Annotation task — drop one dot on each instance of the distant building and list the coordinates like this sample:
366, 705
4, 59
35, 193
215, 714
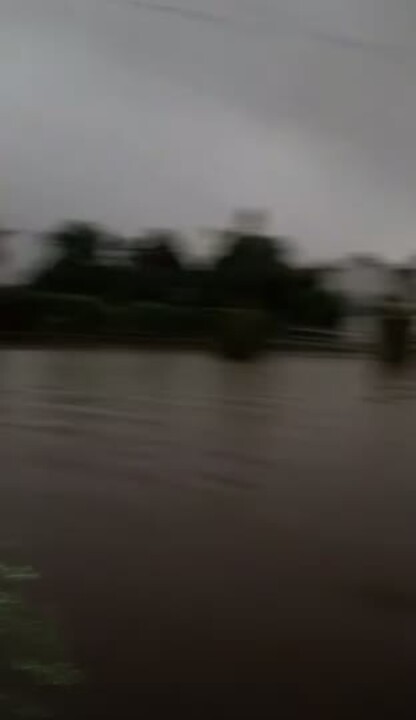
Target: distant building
251, 221
202, 244
364, 281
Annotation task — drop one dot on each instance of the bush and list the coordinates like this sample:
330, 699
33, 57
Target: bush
70, 314
159, 321
32, 661
23, 311
243, 333
17, 310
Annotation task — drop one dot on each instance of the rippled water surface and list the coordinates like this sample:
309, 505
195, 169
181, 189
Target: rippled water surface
202, 527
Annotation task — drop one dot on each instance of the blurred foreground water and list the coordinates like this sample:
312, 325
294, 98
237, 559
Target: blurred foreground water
204, 529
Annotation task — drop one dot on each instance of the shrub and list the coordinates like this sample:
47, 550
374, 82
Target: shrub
32, 664
243, 332
67, 314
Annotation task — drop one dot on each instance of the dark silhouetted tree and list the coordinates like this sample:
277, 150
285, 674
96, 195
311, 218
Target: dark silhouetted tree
157, 267
74, 269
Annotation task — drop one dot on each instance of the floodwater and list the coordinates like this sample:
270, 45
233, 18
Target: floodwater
205, 530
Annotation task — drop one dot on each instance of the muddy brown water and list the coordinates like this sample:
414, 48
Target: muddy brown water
205, 530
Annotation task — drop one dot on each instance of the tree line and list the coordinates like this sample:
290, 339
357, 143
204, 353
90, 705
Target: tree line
95, 283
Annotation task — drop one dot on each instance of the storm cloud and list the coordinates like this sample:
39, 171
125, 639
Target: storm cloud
175, 113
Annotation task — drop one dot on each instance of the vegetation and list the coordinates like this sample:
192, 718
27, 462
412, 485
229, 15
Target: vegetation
32, 665
103, 287
243, 332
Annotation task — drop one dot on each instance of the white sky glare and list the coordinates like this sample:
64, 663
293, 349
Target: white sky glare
177, 112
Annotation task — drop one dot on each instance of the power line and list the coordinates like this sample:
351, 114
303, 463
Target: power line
186, 13
290, 23
293, 23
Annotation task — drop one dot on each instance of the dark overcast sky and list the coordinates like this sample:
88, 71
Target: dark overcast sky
112, 111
